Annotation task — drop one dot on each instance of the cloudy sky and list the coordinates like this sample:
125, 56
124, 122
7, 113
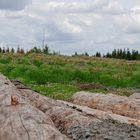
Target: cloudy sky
71, 25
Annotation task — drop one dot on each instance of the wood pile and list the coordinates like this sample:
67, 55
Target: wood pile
27, 115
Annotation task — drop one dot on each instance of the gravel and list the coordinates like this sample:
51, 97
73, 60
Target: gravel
106, 130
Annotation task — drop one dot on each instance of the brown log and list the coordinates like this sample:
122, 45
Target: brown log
102, 115
44, 104
117, 104
41, 102
21, 121
63, 116
82, 122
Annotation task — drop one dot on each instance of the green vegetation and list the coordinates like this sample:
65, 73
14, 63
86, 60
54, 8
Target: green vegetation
60, 76
123, 54
57, 90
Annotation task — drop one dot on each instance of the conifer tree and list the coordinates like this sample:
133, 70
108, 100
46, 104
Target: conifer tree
12, 50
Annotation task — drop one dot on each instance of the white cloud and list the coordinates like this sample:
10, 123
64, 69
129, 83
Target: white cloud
71, 25
130, 22
12, 14
114, 7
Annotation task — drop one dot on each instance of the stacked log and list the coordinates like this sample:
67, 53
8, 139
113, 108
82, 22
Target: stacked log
102, 115
22, 121
51, 107
63, 116
26, 114
125, 106
81, 122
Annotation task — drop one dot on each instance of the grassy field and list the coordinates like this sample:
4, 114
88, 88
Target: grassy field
60, 77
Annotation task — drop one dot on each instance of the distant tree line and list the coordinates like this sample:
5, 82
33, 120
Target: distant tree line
123, 54
116, 53
98, 54
20, 50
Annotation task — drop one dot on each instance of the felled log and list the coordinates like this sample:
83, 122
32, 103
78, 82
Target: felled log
41, 102
102, 115
65, 118
82, 124
44, 104
58, 111
117, 104
21, 121
79, 123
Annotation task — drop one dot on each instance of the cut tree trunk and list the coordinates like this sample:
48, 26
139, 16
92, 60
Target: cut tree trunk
80, 122
121, 105
21, 121
46, 105
63, 116
102, 115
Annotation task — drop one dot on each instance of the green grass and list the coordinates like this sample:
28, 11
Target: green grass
56, 90
65, 73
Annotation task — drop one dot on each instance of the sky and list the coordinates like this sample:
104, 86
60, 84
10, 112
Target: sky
69, 26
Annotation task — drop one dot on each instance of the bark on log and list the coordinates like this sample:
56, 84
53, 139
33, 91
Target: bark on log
80, 124
117, 104
63, 116
102, 115
21, 121
41, 102
135, 96
44, 104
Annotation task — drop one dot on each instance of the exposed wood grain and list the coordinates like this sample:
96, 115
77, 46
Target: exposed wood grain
121, 105
22, 121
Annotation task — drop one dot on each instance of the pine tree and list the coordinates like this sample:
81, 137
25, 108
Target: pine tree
114, 53
22, 51
7, 50
3, 50
46, 49
12, 50
124, 54
86, 54
98, 54
108, 55
0, 50
76, 54
18, 49
128, 55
